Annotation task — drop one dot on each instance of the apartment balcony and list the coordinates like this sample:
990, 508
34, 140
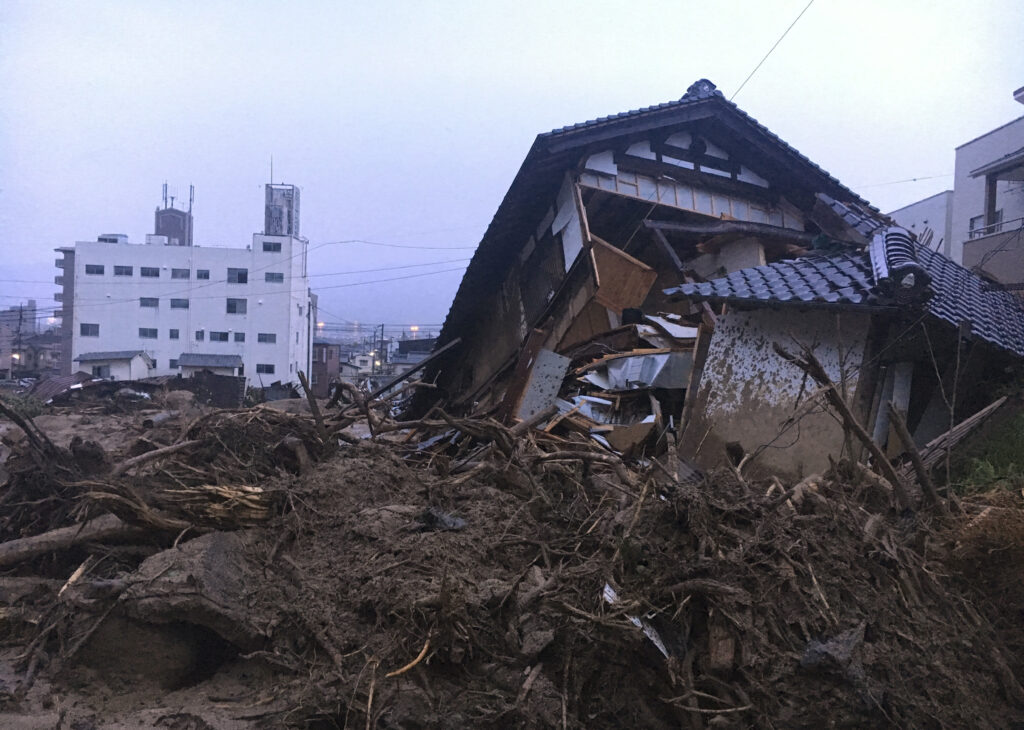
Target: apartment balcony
60, 263
59, 280
997, 251
58, 296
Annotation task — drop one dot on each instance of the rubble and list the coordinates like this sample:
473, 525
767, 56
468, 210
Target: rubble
339, 566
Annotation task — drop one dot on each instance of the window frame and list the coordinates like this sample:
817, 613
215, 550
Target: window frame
83, 333
94, 272
144, 302
124, 270
155, 336
150, 269
237, 275
232, 305
177, 273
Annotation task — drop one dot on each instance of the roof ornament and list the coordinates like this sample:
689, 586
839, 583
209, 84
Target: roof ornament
702, 89
895, 266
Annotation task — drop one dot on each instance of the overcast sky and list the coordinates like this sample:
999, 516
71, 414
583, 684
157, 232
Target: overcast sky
404, 122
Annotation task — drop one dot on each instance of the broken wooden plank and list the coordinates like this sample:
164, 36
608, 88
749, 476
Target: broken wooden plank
107, 527
415, 368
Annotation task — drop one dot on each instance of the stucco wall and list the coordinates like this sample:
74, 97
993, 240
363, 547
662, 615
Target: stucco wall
747, 392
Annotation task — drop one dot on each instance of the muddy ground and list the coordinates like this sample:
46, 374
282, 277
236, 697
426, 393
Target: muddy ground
389, 589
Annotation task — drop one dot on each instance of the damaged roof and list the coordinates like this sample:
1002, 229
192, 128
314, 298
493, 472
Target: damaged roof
202, 360
536, 183
112, 355
846, 280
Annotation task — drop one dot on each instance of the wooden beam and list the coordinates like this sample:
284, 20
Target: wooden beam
653, 168
415, 368
703, 160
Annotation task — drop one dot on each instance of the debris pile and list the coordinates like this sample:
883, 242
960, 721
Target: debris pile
277, 569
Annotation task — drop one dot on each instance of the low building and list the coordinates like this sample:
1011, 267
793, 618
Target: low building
117, 365
251, 303
326, 367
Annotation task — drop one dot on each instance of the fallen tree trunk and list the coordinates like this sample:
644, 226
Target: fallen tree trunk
107, 527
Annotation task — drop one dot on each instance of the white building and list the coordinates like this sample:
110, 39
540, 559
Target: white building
180, 301
980, 221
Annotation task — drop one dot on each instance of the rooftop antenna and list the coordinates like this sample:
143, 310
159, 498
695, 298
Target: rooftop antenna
165, 194
271, 169
191, 199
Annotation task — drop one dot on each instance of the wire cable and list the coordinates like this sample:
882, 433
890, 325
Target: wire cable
751, 75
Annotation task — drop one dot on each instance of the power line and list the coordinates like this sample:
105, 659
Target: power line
898, 182
770, 51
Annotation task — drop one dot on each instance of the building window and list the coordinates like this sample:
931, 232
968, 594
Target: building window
94, 269
149, 302
101, 371
315, 379
218, 336
267, 338
173, 334
174, 363
122, 271
272, 277
153, 272
200, 335
272, 246
236, 306
89, 330
179, 304
239, 337
238, 276
202, 273
147, 333
265, 368
179, 273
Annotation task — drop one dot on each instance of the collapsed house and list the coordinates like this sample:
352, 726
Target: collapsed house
642, 266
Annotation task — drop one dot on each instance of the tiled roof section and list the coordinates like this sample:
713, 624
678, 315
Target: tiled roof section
815, 279
995, 315
201, 360
863, 219
702, 90
113, 355
958, 295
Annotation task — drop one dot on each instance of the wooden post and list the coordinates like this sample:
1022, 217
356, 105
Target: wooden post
810, 365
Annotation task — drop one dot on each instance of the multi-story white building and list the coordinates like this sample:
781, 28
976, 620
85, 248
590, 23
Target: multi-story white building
980, 222
176, 302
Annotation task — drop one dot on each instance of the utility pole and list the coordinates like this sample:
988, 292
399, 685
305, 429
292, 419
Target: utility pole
381, 351
16, 355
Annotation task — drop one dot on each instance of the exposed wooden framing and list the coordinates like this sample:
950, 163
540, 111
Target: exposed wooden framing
703, 160
720, 227
657, 169
668, 249
581, 212
700, 356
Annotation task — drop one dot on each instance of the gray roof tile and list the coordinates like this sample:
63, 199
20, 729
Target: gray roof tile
202, 360
958, 295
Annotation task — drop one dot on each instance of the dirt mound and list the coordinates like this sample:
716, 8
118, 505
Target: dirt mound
490, 578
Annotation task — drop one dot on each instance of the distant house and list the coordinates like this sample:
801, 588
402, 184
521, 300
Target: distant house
326, 367
117, 365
